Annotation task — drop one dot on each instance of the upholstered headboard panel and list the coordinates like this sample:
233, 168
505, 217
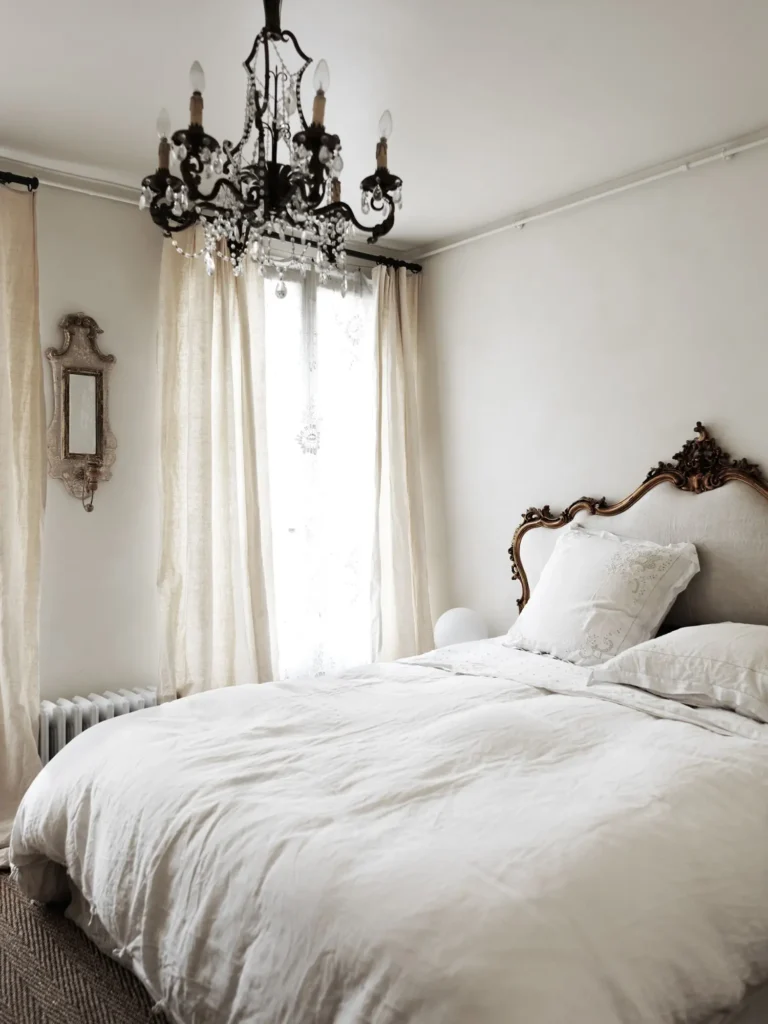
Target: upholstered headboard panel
686, 499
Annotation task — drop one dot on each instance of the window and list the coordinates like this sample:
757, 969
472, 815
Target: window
320, 427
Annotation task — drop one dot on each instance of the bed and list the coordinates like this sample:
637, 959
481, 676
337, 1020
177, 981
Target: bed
477, 834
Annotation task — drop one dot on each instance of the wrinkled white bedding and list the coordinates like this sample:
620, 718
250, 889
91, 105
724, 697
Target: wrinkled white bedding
432, 842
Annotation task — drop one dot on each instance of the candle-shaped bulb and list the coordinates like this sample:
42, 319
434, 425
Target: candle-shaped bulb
385, 130
322, 77
163, 124
197, 77
197, 81
322, 81
385, 125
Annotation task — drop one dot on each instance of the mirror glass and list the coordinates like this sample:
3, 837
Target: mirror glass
82, 413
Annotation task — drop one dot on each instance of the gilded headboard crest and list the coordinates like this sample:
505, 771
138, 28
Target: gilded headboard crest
701, 465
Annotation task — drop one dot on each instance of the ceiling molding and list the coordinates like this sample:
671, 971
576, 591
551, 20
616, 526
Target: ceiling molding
55, 177
699, 158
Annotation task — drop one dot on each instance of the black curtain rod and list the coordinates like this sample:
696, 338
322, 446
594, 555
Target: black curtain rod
372, 257
8, 178
385, 261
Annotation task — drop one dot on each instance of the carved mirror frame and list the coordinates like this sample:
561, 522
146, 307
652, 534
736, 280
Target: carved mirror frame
701, 465
80, 354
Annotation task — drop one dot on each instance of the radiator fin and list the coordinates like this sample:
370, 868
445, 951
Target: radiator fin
63, 720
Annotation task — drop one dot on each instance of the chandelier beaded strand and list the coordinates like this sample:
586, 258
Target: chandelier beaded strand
273, 184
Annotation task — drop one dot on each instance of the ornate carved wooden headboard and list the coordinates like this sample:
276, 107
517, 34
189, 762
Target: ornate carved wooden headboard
700, 466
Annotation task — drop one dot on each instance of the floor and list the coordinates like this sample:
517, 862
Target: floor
50, 973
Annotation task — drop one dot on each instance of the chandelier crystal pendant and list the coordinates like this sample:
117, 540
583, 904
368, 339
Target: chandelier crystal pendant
275, 183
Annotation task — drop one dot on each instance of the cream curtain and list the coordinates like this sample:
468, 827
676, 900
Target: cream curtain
214, 569
293, 526
22, 500
400, 582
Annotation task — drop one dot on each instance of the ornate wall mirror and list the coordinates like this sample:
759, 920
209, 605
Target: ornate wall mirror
81, 446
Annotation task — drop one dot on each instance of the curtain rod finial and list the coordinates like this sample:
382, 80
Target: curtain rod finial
9, 178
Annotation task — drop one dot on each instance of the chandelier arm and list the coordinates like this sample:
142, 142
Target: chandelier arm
236, 149
386, 225
334, 209
161, 214
209, 199
286, 36
376, 230
259, 108
254, 49
299, 107
251, 95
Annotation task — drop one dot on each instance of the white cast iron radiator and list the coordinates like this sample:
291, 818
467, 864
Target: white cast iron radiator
62, 720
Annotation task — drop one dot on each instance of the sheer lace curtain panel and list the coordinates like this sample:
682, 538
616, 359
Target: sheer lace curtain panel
22, 500
293, 529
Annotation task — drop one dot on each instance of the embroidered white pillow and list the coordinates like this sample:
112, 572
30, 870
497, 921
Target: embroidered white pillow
724, 665
600, 594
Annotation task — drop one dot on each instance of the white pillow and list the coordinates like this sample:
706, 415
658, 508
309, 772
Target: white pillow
724, 665
600, 594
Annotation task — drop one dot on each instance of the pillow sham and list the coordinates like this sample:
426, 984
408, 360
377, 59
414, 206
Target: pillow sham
724, 665
600, 594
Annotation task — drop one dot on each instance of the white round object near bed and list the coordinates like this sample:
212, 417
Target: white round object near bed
458, 626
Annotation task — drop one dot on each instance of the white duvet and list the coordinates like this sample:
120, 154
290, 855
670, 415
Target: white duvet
431, 842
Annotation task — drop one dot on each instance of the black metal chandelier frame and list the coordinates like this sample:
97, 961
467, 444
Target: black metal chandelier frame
266, 198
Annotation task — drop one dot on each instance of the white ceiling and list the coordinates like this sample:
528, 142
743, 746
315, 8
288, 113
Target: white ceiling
498, 104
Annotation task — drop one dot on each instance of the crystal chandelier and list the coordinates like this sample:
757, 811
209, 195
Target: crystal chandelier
275, 185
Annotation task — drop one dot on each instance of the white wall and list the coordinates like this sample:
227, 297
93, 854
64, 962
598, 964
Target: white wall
572, 356
98, 619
